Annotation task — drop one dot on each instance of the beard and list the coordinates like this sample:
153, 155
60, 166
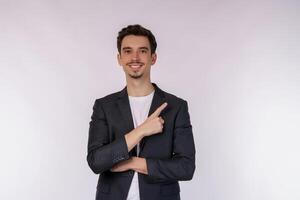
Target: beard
136, 75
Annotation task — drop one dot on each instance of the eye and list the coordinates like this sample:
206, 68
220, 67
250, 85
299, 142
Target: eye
143, 51
127, 51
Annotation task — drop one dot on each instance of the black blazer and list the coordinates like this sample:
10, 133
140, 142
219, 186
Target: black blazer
170, 155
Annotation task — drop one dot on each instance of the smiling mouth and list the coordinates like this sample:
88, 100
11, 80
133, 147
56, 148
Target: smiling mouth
135, 65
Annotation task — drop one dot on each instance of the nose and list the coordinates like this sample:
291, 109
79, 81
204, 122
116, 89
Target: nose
135, 55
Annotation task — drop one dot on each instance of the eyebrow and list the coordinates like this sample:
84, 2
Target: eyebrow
128, 48
146, 48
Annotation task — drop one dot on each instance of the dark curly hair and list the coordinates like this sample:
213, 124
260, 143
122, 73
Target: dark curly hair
137, 30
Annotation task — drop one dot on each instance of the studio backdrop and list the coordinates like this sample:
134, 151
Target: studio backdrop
237, 63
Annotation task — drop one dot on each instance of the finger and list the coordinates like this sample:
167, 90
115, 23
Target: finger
161, 128
116, 169
157, 112
113, 169
161, 120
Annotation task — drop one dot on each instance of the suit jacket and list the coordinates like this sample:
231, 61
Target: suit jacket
170, 155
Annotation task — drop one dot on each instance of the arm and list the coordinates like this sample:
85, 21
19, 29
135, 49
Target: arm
102, 154
134, 163
182, 165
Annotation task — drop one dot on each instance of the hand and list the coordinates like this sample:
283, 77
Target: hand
122, 166
153, 124
134, 163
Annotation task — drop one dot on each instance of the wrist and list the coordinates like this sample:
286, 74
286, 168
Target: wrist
135, 163
139, 132
139, 165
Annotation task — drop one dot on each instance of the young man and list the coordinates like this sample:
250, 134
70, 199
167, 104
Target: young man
140, 138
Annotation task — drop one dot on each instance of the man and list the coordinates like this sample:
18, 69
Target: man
140, 139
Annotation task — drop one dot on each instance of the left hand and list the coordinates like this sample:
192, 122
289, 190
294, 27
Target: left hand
123, 166
134, 163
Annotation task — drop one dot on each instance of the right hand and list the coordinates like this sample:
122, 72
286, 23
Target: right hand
154, 123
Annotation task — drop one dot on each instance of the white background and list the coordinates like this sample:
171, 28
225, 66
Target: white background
236, 62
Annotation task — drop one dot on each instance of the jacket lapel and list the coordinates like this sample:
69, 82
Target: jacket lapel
158, 99
124, 107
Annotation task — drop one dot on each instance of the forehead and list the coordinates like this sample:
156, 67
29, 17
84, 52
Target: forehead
135, 41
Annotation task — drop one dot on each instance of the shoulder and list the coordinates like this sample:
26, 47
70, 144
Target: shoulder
108, 98
174, 99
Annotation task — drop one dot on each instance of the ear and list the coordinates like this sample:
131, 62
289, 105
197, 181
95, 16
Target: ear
119, 58
153, 58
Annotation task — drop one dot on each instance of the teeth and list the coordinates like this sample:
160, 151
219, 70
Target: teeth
135, 66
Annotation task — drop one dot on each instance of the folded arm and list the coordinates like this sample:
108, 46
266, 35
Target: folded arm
102, 154
182, 164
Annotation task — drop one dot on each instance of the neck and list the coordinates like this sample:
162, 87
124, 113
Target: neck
137, 88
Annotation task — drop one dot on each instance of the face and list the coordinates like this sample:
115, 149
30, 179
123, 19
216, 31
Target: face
135, 57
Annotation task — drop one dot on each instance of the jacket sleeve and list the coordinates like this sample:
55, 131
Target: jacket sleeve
102, 153
182, 164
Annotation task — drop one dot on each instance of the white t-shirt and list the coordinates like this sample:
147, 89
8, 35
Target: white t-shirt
140, 107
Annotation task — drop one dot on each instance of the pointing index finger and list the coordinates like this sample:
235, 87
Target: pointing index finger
157, 112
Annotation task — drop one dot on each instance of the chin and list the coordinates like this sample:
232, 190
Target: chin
136, 76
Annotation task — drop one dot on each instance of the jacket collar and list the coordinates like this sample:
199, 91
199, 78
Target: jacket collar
158, 92
158, 99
